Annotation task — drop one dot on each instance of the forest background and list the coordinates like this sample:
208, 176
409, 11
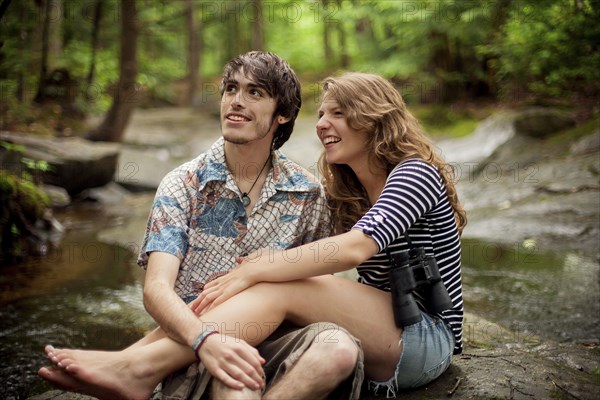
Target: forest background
90, 57
64, 63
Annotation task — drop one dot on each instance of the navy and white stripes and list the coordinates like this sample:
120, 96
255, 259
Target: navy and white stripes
415, 198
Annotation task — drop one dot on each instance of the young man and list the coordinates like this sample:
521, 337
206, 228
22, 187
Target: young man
240, 196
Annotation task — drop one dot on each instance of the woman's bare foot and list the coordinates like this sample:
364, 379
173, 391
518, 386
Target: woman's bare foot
102, 374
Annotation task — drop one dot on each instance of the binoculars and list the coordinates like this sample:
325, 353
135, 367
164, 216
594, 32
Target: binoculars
412, 270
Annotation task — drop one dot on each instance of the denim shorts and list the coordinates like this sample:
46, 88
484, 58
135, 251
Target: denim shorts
426, 353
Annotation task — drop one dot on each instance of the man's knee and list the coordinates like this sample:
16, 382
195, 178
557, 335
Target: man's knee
338, 349
220, 391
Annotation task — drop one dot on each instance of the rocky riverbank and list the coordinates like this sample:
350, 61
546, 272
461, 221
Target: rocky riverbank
542, 190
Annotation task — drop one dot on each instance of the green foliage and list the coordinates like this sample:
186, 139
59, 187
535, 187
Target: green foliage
551, 48
22, 202
435, 51
444, 121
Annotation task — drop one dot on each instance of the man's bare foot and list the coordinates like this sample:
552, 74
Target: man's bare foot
62, 380
102, 374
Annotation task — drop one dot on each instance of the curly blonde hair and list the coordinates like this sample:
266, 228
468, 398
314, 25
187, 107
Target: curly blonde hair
371, 104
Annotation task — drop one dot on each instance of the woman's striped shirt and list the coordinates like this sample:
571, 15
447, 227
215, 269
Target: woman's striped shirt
415, 199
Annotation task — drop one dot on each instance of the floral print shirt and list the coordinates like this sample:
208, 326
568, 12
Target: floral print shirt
198, 216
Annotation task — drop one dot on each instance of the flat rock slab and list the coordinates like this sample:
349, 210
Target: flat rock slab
75, 163
496, 364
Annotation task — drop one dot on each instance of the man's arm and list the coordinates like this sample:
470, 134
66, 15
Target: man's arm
225, 359
163, 304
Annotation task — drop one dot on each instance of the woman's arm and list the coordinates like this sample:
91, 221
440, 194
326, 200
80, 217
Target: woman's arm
325, 256
412, 189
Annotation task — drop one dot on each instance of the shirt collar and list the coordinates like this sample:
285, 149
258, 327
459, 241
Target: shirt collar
285, 174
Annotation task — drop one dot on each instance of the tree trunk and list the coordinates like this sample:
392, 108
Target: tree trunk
3, 7
344, 56
231, 39
327, 50
193, 53
55, 37
39, 97
126, 92
95, 33
258, 33
20, 90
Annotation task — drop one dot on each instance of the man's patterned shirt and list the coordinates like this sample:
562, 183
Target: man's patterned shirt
198, 216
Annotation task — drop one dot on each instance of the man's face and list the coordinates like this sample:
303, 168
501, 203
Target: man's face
246, 111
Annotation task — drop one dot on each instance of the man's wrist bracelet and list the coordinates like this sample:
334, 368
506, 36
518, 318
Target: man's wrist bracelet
201, 339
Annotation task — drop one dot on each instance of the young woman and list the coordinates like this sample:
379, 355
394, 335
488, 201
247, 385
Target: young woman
383, 180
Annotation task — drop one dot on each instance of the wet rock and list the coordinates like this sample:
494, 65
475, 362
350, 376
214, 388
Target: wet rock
58, 196
75, 163
470, 151
60, 395
496, 364
587, 144
109, 194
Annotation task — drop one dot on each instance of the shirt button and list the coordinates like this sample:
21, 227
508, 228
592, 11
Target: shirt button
378, 218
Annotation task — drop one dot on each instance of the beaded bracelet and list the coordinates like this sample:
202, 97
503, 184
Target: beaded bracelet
201, 339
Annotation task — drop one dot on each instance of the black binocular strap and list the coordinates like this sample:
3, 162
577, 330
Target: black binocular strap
407, 237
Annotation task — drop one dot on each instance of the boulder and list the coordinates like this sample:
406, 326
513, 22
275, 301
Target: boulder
507, 133
58, 196
75, 163
539, 122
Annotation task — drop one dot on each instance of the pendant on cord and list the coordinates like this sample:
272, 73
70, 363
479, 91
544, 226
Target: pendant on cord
245, 199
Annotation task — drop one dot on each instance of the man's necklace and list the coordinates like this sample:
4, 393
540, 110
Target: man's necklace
245, 198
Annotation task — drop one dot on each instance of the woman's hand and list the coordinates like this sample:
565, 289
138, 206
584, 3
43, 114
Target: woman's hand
233, 361
220, 290
237, 280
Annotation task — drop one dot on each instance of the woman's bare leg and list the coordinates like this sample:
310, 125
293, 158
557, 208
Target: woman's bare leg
253, 315
152, 336
364, 311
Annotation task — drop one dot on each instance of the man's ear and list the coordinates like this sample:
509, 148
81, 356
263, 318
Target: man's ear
282, 120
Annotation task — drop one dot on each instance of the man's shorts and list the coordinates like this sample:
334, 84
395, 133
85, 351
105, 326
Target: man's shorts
281, 351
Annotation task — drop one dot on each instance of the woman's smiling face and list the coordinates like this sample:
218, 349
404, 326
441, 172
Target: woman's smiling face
343, 144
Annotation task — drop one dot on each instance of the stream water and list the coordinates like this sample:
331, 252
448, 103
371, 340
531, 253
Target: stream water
533, 293
85, 294
88, 294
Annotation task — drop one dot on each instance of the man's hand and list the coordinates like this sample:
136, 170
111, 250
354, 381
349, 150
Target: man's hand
233, 361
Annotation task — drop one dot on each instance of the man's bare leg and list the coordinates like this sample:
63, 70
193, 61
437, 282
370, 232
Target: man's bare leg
327, 362
220, 391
